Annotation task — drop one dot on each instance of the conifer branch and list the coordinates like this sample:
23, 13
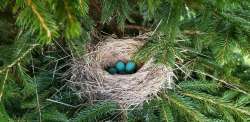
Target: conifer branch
166, 113
199, 86
19, 58
202, 35
185, 107
223, 81
216, 101
40, 18
91, 113
3, 85
70, 17
65, 104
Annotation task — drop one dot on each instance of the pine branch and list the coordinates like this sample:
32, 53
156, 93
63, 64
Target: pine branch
73, 28
229, 95
53, 115
83, 7
202, 34
199, 85
243, 100
40, 18
223, 49
184, 106
19, 58
166, 112
224, 105
35, 19
92, 113
3, 4
149, 110
4, 117
230, 84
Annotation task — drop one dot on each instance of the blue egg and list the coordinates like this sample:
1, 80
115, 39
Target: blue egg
112, 70
120, 66
130, 67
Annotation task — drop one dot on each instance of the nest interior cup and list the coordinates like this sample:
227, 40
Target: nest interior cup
91, 80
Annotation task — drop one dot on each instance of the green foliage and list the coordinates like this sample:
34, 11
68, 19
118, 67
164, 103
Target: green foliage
205, 42
35, 18
4, 117
93, 113
227, 109
186, 108
166, 112
209, 86
114, 8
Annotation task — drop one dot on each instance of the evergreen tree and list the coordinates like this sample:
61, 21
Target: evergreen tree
207, 42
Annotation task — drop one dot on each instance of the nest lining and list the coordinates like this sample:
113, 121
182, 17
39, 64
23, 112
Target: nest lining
91, 80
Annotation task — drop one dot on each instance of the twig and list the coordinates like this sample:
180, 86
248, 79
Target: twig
187, 74
54, 72
223, 81
37, 96
62, 48
193, 32
158, 25
137, 27
19, 59
95, 5
65, 104
4, 81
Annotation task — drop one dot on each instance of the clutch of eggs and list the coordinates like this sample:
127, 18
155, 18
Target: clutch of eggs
121, 67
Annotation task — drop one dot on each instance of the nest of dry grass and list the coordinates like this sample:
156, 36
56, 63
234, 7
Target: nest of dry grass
91, 80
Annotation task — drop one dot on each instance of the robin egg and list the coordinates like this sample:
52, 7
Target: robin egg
120, 66
112, 70
130, 67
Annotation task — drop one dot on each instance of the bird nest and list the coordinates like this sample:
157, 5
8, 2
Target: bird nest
91, 80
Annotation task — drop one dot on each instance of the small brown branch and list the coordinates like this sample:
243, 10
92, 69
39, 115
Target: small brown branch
192, 32
4, 81
137, 27
96, 5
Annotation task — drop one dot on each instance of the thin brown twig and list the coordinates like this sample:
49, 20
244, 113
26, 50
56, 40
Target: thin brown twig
37, 96
137, 27
222, 81
19, 58
4, 81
